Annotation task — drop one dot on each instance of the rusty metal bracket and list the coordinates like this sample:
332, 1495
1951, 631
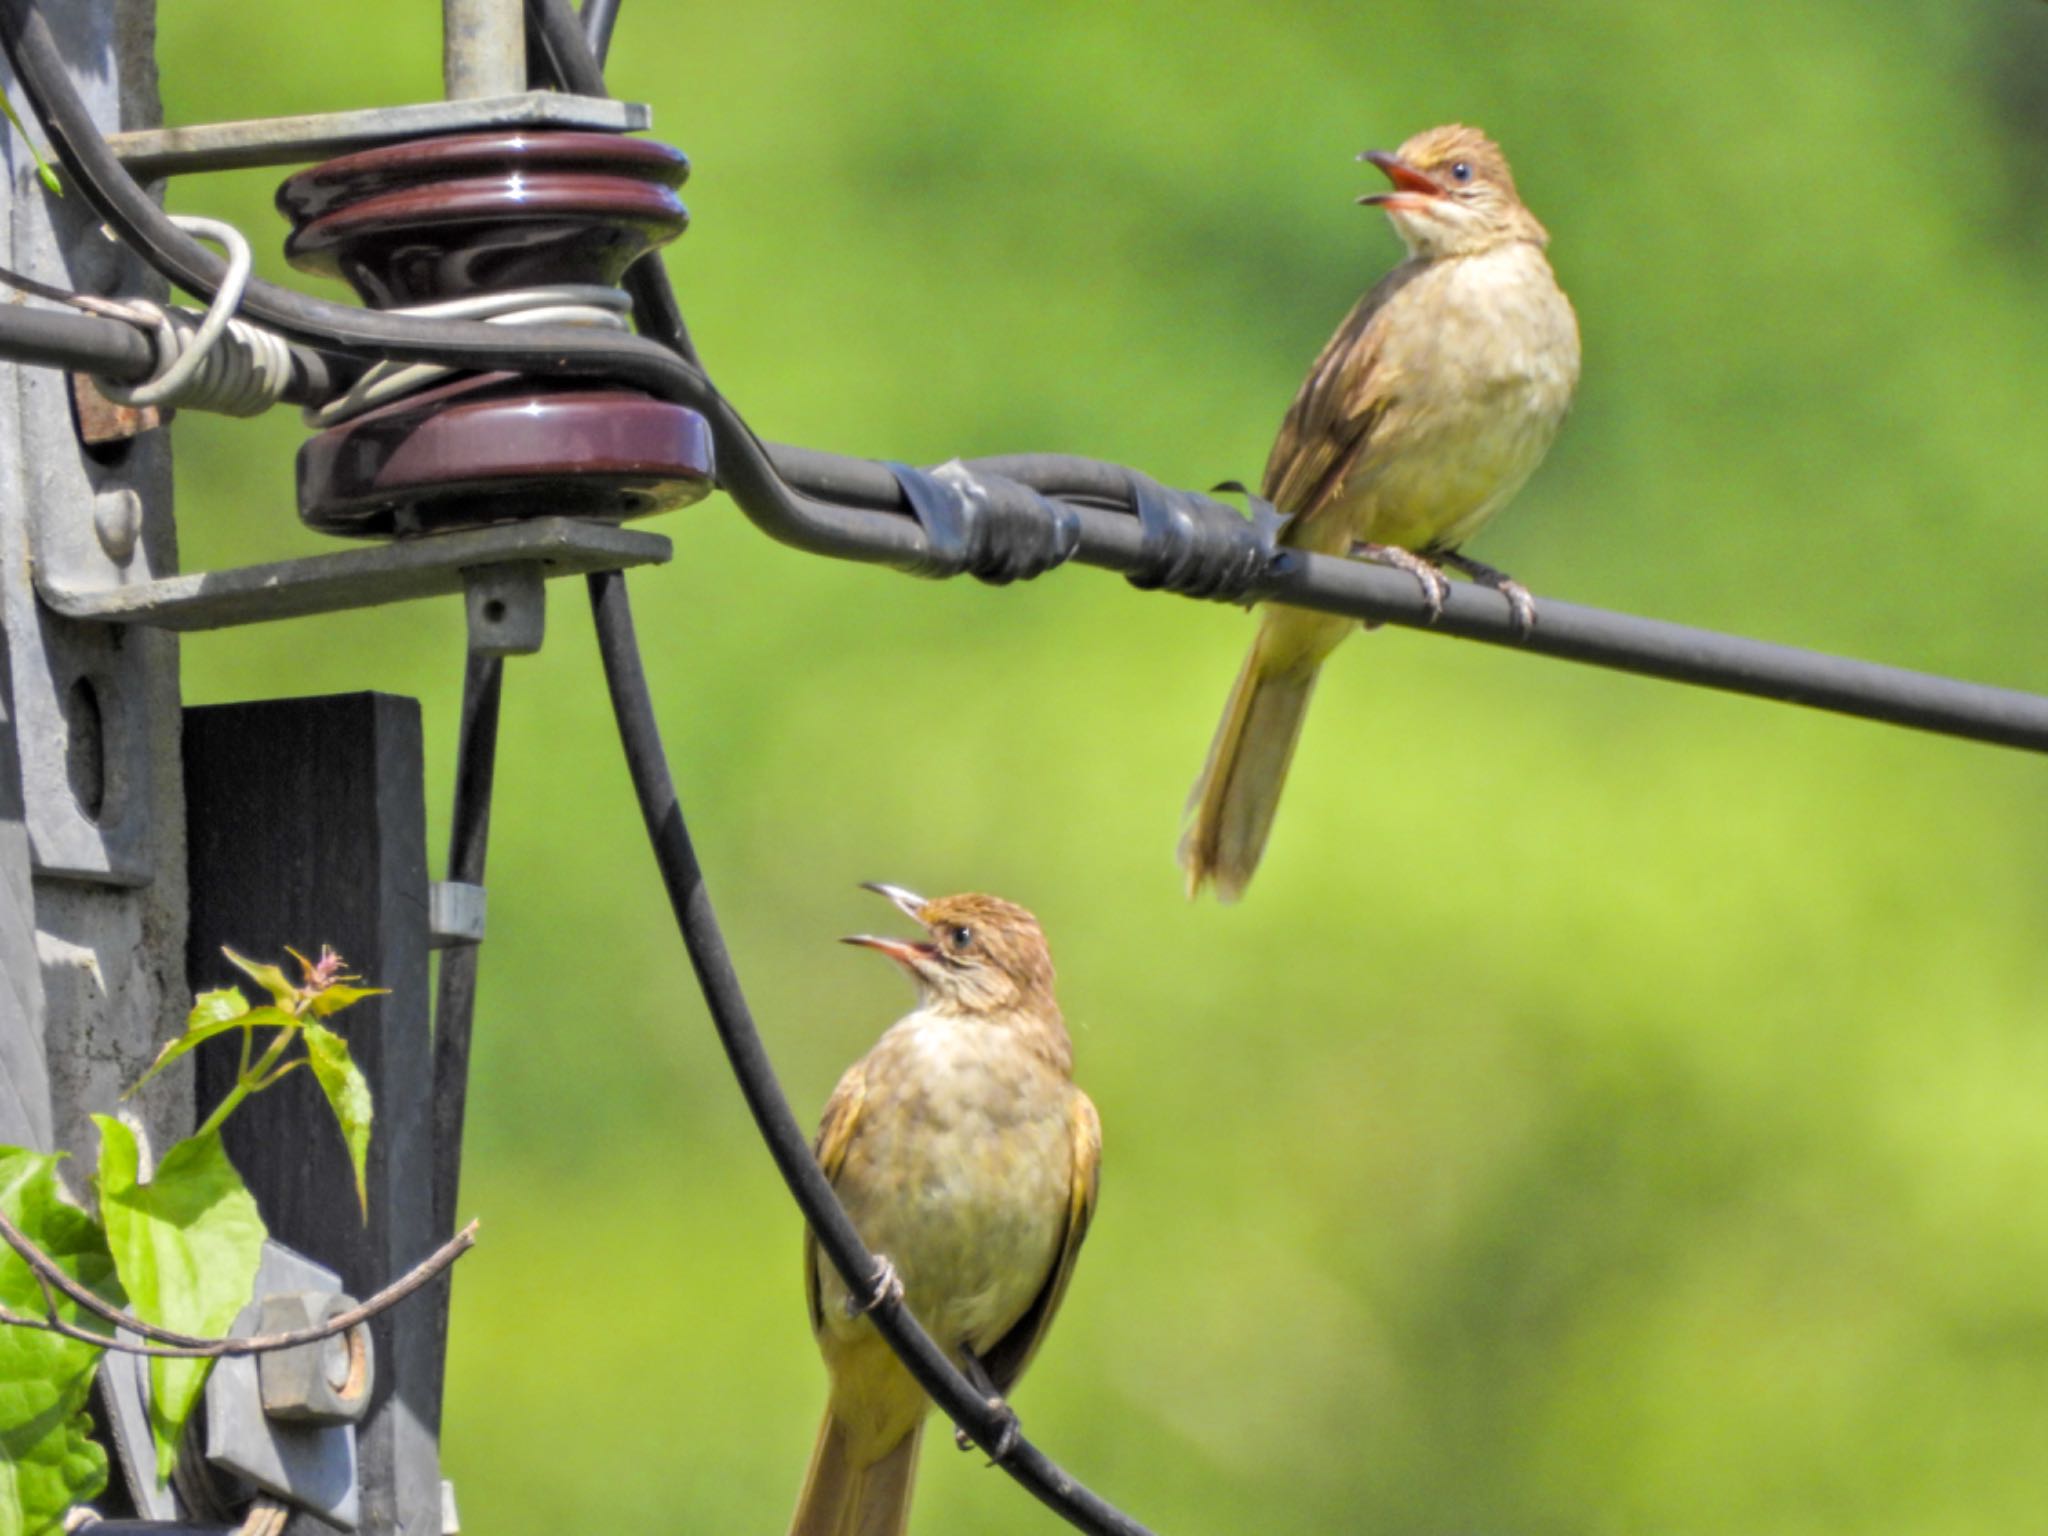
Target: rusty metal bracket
429, 566
154, 153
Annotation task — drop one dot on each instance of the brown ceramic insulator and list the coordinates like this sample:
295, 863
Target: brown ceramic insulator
473, 213
491, 448
484, 212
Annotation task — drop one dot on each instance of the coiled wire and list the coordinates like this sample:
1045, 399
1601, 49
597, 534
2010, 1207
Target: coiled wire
210, 361
589, 305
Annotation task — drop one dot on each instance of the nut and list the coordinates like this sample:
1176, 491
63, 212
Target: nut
326, 1382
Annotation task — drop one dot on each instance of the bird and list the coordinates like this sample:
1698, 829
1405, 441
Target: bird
968, 1161
1423, 415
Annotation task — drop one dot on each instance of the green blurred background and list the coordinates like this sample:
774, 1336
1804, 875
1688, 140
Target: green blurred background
1616, 1107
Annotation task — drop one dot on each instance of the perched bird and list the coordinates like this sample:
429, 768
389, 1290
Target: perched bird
1433, 402
967, 1159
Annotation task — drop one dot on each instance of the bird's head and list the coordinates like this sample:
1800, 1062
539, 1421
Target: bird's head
983, 954
1453, 194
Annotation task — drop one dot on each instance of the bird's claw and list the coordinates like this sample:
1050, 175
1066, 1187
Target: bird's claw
1436, 587
1521, 604
884, 1286
1007, 1434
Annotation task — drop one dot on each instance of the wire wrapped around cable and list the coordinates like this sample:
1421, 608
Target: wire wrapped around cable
712, 961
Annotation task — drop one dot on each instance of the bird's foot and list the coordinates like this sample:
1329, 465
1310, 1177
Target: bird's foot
1435, 585
1008, 1432
1520, 602
884, 1286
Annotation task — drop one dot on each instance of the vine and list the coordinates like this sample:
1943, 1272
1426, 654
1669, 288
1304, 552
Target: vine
178, 1251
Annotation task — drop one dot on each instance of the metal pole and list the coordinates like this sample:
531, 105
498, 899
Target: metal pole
483, 49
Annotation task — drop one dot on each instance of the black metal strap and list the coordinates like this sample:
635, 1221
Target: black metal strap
995, 530
1200, 547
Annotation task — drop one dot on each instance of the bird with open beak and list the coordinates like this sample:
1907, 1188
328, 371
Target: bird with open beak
1426, 411
967, 1160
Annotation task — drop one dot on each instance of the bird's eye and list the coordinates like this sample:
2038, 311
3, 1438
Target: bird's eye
1462, 171
960, 937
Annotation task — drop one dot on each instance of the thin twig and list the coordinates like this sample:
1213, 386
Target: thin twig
172, 1345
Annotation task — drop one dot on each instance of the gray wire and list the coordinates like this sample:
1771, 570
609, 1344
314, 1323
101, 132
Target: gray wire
187, 355
578, 304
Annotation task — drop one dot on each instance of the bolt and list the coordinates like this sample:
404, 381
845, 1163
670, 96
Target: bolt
117, 519
327, 1382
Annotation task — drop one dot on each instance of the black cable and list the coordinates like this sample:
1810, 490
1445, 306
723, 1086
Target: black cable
476, 756
873, 524
856, 509
114, 349
573, 52
108, 349
709, 958
1565, 631
599, 18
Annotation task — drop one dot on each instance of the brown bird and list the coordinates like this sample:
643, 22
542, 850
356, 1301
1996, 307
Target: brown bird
1437, 397
968, 1160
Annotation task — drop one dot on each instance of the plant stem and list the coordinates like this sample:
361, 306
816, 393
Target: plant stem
247, 1079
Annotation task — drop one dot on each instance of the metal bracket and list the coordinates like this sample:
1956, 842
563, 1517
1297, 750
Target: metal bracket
311, 1462
507, 607
455, 914
155, 153
88, 700
429, 566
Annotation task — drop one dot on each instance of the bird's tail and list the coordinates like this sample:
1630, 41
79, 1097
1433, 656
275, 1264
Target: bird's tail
845, 1496
1233, 801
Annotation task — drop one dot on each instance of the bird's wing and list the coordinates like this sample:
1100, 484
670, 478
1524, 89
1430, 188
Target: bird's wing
1342, 400
1005, 1362
835, 1135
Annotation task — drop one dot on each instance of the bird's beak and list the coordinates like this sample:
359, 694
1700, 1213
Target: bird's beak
1412, 188
902, 951
909, 903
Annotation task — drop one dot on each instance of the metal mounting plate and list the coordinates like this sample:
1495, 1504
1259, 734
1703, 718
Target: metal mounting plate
158, 152
312, 1465
431, 566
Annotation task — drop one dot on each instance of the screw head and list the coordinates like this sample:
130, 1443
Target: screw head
117, 522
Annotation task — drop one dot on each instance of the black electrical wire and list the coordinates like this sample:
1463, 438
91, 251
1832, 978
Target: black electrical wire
108, 349
858, 512
114, 349
476, 756
573, 49
712, 961
599, 18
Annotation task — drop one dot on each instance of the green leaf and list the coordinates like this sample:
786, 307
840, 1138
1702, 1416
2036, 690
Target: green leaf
216, 1021
48, 1462
341, 995
269, 977
216, 1007
186, 1246
348, 1094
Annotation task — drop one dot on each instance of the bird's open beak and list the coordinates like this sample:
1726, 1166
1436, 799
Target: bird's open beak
909, 903
904, 952
1412, 188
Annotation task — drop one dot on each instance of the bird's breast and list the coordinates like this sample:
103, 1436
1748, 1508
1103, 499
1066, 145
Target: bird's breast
960, 1172
1479, 361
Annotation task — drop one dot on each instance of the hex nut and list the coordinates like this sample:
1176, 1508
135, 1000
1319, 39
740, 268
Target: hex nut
327, 1382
